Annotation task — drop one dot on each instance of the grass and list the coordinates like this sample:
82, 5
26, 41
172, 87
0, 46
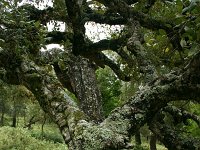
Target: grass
145, 145
50, 133
51, 139
21, 139
159, 147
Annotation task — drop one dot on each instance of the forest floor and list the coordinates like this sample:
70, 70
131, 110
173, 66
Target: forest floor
41, 137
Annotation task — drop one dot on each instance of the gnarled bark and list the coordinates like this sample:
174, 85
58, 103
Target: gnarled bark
115, 130
77, 126
86, 89
73, 72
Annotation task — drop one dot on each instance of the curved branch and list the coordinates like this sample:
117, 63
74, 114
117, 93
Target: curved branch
130, 2
52, 57
63, 77
105, 44
101, 60
182, 114
127, 12
45, 15
57, 37
172, 139
112, 44
111, 19
125, 57
115, 67
75, 13
75, 127
135, 46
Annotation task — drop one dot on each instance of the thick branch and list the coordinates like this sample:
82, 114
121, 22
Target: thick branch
44, 16
111, 19
112, 44
52, 98
73, 73
75, 13
172, 139
182, 114
134, 45
63, 77
123, 121
57, 37
100, 59
86, 89
127, 12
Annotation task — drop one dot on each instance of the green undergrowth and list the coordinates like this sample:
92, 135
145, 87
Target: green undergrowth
50, 133
22, 139
145, 146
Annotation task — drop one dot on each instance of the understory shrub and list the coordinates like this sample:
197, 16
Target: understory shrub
21, 139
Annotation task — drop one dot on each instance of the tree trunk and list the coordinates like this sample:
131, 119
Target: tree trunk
43, 123
31, 121
114, 132
3, 109
2, 118
2, 113
86, 88
152, 142
14, 118
75, 79
14, 114
138, 138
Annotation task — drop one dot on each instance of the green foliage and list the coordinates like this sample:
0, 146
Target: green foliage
13, 98
50, 133
110, 88
192, 126
19, 138
23, 102
186, 20
187, 127
24, 35
145, 146
138, 147
128, 89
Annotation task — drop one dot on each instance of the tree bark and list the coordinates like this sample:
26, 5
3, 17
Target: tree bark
77, 127
2, 113
172, 139
86, 89
31, 121
138, 138
152, 142
42, 129
115, 131
77, 74
2, 118
14, 116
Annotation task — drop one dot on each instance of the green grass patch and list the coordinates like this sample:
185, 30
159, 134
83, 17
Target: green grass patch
50, 133
21, 139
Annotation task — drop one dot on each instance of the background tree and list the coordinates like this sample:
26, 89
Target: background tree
110, 88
